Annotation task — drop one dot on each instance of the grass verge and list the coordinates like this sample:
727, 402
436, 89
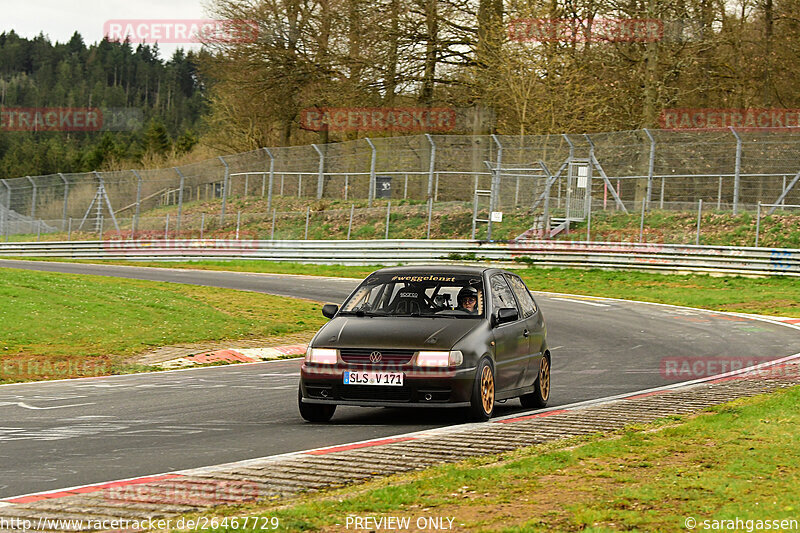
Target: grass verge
65, 325
330, 219
739, 460
775, 296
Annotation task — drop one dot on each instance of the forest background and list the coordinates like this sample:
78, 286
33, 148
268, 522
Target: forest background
496, 62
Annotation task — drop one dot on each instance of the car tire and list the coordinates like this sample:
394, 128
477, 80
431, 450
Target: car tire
481, 402
541, 393
314, 412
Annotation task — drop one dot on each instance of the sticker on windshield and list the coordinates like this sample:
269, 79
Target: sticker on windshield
415, 279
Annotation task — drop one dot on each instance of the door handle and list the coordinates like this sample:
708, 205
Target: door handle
526, 333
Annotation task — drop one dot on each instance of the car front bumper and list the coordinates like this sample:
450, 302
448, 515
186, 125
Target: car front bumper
440, 388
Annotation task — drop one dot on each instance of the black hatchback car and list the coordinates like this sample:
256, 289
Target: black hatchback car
436, 336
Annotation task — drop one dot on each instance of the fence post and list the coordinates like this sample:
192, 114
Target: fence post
166, 227
571, 158
388, 211
650, 169
271, 178
589, 227
546, 208
308, 214
592, 160
180, 198
238, 223
320, 172
737, 172
66, 199
33, 199
272, 231
431, 167
430, 217
758, 222
699, 218
7, 210
202, 224
224, 190
641, 224
373, 161
783, 189
135, 225
495, 186
69, 229
350, 224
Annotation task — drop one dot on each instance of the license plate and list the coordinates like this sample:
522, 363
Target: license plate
393, 379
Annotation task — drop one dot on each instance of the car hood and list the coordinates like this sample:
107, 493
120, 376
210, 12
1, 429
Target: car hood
394, 332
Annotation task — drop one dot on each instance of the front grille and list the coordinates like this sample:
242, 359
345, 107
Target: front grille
389, 356
374, 393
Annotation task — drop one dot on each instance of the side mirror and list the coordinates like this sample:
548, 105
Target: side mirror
330, 310
505, 314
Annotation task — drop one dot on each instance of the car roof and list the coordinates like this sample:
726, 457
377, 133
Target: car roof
434, 269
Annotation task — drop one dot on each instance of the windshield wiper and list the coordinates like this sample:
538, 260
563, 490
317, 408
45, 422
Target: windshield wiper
360, 312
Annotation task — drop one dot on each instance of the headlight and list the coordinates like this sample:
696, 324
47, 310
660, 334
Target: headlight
439, 359
322, 356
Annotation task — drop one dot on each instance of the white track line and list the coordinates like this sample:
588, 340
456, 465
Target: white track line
448, 429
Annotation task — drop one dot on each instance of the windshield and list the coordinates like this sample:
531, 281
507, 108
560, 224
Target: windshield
424, 295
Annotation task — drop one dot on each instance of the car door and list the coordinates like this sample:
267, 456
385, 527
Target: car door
511, 344
534, 326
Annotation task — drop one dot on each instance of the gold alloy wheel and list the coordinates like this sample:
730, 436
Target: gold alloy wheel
544, 379
487, 389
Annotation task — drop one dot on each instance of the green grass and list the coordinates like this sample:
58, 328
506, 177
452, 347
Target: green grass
740, 459
717, 228
329, 219
64, 318
775, 296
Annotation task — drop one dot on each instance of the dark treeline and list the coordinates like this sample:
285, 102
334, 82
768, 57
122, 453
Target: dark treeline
37, 73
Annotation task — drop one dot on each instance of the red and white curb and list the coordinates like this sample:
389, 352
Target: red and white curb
183, 477
235, 355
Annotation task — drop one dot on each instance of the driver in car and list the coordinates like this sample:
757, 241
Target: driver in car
468, 300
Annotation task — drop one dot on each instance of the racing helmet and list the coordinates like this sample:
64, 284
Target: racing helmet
467, 291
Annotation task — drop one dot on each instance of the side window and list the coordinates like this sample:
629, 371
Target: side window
523, 296
501, 294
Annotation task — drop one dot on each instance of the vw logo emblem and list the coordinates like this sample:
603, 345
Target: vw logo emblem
375, 357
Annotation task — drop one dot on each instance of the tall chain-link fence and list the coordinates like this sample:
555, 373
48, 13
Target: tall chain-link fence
559, 178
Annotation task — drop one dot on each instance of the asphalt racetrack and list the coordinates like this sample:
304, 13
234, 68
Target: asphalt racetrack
61, 434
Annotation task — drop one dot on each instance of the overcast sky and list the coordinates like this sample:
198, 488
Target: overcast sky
59, 19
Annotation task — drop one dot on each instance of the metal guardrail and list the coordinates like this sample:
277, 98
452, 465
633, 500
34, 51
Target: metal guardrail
607, 255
